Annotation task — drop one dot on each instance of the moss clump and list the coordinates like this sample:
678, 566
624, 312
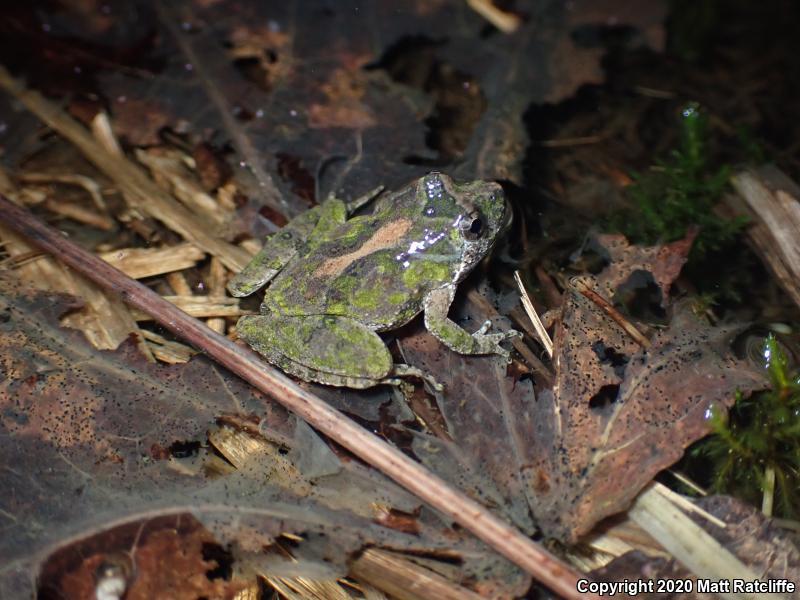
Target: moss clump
755, 452
680, 192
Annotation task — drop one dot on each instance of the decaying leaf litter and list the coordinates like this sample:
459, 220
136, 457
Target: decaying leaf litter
123, 453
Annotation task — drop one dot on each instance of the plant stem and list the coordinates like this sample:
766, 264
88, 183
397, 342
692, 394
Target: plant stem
769, 491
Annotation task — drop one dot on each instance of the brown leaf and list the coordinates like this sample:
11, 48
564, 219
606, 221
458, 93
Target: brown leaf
84, 434
278, 70
664, 262
166, 562
487, 416
618, 414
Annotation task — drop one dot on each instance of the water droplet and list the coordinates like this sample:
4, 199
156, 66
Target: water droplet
188, 66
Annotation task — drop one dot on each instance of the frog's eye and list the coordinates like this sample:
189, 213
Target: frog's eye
472, 227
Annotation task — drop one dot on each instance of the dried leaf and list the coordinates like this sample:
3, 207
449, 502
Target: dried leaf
90, 440
618, 413
663, 262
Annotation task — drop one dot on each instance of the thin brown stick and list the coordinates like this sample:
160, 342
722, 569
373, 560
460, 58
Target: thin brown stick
636, 335
498, 534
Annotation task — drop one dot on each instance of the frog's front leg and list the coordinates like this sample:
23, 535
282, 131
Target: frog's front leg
279, 248
437, 304
282, 246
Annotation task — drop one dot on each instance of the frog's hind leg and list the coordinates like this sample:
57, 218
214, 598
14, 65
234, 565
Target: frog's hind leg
328, 349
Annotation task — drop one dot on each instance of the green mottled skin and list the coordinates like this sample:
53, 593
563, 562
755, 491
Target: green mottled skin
341, 280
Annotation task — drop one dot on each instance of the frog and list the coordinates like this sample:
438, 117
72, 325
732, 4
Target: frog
336, 279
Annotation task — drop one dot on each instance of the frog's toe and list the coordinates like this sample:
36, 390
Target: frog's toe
492, 341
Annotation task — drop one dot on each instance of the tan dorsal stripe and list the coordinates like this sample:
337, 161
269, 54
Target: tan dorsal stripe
385, 237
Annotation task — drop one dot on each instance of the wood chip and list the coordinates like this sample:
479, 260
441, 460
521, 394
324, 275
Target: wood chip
168, 165
137, 188
168, 351
773, 203
105, 320
148, 262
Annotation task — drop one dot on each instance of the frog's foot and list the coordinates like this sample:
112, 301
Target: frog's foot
402, 370
493, 339
437, 303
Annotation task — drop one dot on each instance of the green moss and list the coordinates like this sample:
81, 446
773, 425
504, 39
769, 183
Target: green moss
397, 298
421, 272
755, 451
680, 192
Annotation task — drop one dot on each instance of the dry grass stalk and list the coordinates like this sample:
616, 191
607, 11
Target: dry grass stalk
773, 203
658, 514
168, 166
541, 332
137, 188
148, 262
303, 588
78, 213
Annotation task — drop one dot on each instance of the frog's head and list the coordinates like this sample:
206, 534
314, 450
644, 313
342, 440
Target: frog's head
480, 212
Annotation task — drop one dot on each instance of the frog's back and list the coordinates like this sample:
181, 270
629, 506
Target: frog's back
368, 278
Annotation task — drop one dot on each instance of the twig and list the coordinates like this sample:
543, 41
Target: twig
636, 335
474, 517
534, 316
586, 140
505, 22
